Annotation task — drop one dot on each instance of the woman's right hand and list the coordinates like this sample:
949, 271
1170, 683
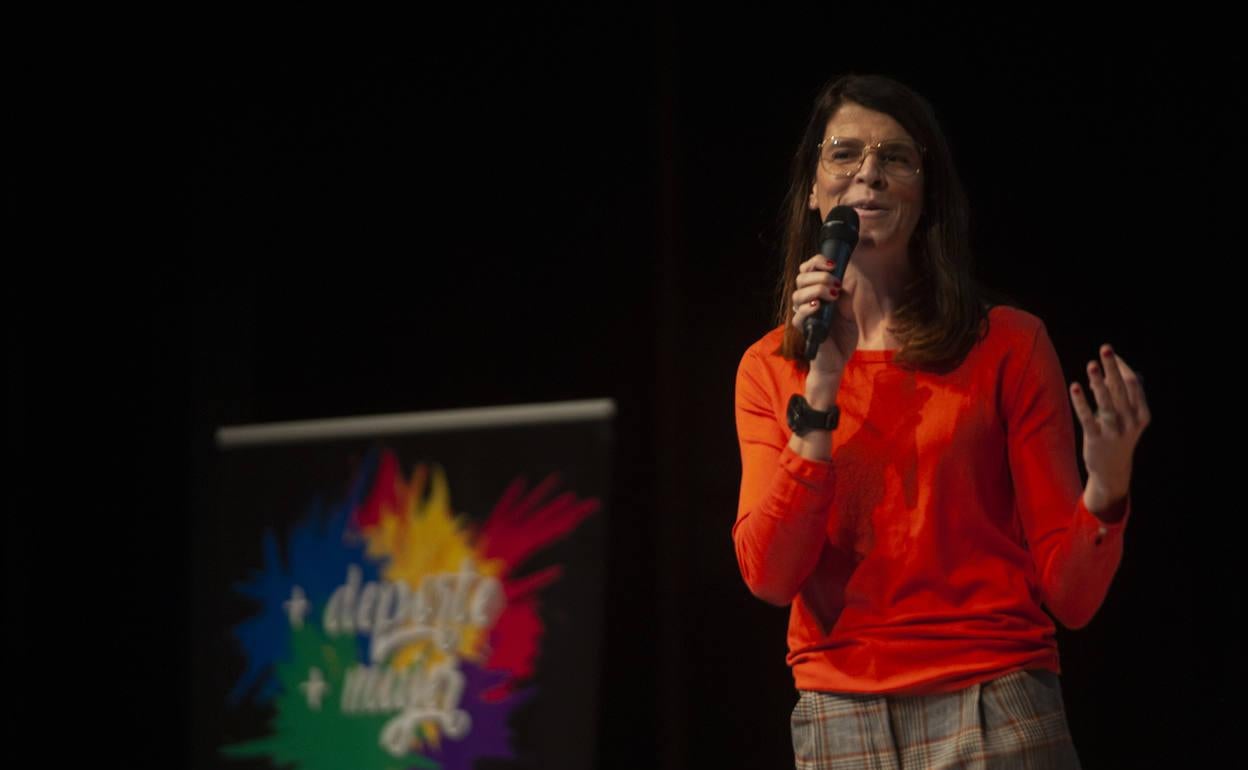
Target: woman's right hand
816, 284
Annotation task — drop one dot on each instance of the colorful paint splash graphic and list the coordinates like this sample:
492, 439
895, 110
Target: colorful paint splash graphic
396, 634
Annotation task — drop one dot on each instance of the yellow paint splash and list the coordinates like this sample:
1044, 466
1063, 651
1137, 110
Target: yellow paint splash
424, 537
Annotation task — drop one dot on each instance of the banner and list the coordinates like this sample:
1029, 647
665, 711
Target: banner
411, 591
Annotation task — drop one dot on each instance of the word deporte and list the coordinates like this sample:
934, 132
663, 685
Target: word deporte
440, 607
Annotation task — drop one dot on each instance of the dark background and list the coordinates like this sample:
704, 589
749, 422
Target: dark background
555, 204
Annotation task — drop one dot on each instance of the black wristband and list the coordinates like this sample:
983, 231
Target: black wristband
803, 418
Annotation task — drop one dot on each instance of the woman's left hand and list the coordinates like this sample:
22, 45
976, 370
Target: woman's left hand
1111, 431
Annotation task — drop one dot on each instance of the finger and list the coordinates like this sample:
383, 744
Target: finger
1114, 382
1083, 411
816, 292
817, 276
1132, 380
1096, 379
820, 291
804, 303
803, 311
1135, 392
809, 304
817, 262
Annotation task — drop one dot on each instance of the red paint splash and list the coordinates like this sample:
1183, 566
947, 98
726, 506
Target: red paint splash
383, 496
521, 524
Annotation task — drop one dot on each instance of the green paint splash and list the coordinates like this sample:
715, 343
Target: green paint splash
324, 739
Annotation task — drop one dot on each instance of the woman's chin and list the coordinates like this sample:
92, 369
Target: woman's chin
870, 248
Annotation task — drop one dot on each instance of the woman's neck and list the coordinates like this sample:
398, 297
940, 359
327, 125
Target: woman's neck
871, 294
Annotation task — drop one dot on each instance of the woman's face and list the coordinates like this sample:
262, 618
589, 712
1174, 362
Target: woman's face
888, 206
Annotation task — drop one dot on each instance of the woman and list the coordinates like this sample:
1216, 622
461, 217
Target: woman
913, 492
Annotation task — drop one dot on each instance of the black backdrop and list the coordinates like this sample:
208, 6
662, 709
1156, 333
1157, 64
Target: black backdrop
557, 204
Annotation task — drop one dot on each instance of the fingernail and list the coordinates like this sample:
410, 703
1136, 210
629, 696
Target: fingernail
1109, 352
814, 303
832, 265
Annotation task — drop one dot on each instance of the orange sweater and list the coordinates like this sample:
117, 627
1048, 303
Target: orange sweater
917, 560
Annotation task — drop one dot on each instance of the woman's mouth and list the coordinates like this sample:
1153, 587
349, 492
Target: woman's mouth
869, 209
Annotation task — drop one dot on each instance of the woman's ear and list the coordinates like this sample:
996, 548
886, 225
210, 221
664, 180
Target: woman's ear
813, 204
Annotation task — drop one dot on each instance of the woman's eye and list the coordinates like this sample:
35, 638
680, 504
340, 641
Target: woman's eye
900, 158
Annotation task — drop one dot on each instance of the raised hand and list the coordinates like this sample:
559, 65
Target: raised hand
1112, 429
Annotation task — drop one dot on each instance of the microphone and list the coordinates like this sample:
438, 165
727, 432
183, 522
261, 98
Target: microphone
837, 239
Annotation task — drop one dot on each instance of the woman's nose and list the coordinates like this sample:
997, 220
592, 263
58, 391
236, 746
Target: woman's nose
871, 172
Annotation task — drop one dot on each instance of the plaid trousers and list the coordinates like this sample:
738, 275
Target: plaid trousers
1014, 722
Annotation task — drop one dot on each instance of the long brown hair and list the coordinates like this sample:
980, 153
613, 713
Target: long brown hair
944, 310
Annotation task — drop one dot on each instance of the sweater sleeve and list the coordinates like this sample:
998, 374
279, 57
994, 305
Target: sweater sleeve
1076, 554
782, 513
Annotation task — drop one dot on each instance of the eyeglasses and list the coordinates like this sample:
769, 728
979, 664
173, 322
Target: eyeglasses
842, 156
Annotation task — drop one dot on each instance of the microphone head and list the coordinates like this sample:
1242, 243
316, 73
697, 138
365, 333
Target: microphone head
841, 225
